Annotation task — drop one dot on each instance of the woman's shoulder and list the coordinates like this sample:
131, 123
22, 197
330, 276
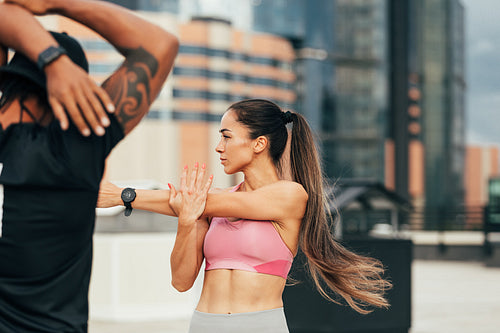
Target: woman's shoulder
287, 184
283, 189
288, 188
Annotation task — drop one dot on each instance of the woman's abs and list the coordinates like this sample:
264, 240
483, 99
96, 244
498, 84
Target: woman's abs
235, 291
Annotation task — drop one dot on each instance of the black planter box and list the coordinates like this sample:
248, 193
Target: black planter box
308, 312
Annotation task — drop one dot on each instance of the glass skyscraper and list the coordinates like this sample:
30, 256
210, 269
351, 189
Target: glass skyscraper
441, 49
341, 70
382, 82
356, 127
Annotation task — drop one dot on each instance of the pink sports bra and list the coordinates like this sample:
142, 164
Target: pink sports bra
247, 245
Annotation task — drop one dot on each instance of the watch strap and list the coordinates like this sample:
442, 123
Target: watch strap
49, 55
128, 209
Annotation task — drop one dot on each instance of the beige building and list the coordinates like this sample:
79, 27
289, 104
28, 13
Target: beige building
481, 164
216, 66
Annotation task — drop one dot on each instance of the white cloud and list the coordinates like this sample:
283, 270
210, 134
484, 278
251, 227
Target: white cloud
481, 47
475, 138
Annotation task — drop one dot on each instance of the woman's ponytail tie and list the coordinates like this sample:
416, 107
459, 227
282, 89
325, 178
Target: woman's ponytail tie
287, 117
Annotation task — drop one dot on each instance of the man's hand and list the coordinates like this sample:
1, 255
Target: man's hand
70, 88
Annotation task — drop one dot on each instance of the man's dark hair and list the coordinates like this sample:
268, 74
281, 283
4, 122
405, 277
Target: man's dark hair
21, 78
14, 87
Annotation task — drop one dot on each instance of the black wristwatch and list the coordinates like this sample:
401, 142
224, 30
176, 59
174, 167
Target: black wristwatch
49, 55
128, 195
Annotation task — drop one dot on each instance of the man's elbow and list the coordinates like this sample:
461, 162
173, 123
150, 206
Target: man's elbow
174, 43
170, 45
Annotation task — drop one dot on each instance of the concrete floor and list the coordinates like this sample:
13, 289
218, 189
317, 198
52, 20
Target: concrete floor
458, 297
448, 297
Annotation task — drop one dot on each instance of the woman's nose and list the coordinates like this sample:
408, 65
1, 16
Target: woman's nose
220, 147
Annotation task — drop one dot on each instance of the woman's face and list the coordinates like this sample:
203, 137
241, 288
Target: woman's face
235, 145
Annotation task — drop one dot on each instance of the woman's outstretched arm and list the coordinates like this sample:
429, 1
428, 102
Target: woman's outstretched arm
155, 201
277, 201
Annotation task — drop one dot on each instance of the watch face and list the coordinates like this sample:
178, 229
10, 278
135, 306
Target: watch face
51, 54
128, 195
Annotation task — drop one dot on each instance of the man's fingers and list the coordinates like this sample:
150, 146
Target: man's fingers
59, 113
96, 104
88, 113
77, 118
105, 99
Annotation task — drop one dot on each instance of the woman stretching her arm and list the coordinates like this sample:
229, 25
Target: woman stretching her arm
256, 228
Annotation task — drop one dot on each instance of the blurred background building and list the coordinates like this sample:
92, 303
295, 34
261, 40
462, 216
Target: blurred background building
216, 66
382, 82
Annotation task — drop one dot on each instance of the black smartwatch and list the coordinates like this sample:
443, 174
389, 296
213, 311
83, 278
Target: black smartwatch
128, 195
49, 55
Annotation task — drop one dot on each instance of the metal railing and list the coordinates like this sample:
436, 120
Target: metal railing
463, 218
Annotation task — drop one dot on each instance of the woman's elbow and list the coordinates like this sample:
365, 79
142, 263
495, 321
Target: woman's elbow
181, 285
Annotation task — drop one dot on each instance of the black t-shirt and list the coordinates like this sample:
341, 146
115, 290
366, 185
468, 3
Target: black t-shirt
49, 181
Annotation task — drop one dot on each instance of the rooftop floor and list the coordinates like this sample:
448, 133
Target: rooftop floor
448, 296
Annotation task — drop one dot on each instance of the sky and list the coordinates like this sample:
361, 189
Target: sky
482, 71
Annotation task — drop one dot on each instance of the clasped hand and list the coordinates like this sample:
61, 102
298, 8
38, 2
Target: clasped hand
189, 202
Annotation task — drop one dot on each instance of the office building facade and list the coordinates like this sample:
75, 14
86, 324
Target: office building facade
482, 164
342, 71
216, 66
440, 47
388, 98
357, 127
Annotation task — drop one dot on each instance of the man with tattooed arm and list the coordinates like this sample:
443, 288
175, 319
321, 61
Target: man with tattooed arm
56, 129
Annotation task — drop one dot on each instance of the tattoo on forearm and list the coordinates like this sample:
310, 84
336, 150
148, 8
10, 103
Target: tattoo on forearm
130, 87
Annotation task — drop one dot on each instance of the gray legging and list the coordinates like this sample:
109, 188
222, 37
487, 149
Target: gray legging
267, 321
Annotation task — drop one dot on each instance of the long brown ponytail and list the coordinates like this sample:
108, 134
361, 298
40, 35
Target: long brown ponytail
357, 279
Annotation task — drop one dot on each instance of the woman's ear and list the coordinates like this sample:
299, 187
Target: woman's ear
260, 144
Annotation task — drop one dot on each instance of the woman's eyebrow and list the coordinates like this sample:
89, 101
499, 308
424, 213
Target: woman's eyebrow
224, 130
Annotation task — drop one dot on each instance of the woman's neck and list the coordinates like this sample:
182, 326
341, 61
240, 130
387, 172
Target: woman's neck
258, 175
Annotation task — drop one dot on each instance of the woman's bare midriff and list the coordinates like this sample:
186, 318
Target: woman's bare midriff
235, 291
